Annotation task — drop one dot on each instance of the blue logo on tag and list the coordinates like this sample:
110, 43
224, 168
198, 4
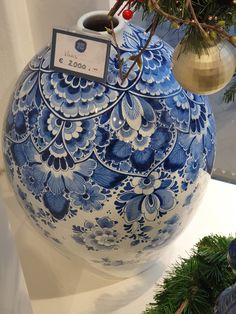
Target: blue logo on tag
81, 45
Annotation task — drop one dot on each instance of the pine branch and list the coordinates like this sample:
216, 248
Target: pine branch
206, 23
194, 23
182, 307
230, 92
194, 283
138, 57
195, 19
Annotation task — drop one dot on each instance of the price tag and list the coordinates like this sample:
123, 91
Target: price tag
80, 54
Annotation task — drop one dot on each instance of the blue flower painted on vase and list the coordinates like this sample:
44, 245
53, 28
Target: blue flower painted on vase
99, 236
147, 185
179, 109
193, 166
57, 205
113, 77
39, 59
79, 137
152, 197
73, 97
70, 140
113, 163
89, 198
198, 116
33, 177
135, 38
27, 205
140, 140
134, 121
165, 234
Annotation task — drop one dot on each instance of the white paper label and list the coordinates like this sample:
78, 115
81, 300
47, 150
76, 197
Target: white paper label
82, 55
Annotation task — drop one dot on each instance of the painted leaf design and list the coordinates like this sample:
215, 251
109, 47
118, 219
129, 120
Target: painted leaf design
133, 209
132, 111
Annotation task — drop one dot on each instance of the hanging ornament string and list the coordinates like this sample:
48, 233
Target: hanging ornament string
202, 31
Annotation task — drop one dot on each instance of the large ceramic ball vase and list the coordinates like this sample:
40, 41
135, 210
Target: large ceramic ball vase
110, 172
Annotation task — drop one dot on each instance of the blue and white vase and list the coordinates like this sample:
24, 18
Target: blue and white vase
111, 172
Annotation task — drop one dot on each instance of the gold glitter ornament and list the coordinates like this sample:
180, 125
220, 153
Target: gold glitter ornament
205, 74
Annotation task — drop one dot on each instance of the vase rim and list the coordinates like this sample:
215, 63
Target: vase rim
81, 21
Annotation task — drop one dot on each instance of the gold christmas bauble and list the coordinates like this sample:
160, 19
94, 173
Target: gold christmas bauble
205, 74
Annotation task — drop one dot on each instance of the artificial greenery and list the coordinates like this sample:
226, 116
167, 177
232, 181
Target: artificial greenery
211, 19
205, 23
194, 283
231, 91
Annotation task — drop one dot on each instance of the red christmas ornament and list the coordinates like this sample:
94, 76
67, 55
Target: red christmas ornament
127, 14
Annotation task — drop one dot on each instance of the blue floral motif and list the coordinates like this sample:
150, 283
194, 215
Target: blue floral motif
57, 205
24, 153
79, 137
89, 198
72, 96
157, 77
113, 77
198, 117
41, 60
135, 38
69, 140
193, 166
147, 185
100, 236
114, 160
166, 233
134, 121
152, 197
36, 177
179, 109
138, 143
33, 177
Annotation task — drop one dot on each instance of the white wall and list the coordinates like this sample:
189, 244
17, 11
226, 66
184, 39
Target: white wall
25, 27
46, 14
16, 45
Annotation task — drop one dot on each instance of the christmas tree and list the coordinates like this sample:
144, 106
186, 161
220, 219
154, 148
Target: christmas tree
206, 24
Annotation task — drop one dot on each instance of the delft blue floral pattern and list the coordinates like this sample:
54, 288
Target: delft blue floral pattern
164, 234
89, 198
111, 160
150, 197
100, 236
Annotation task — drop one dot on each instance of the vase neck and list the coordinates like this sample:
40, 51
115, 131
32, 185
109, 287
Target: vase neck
97, 21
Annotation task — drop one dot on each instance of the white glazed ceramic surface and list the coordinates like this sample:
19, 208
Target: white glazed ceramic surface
111, 172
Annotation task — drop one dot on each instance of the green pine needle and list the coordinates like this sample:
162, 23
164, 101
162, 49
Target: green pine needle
196, 282
230, 92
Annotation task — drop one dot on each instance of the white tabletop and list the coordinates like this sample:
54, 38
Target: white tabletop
57, 285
